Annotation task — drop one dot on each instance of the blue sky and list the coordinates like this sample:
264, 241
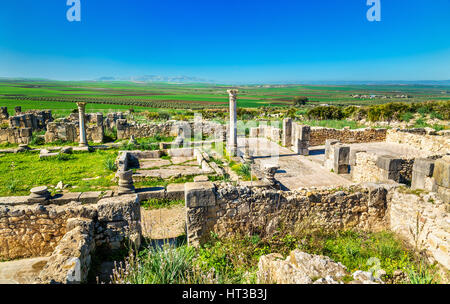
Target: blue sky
227, 40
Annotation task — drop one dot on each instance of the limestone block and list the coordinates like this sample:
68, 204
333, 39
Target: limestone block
441, 172
303, 132
341, 159
200, 194
424, 165
389, 163
175, 191
121, 208
201, 178
149, 193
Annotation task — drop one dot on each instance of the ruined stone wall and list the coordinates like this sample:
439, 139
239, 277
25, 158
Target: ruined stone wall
66, 130
319, 135
241, 210
430, 142
369, 167
15, 135
365, 168
169, 128
35, 230
422, 219
36, 120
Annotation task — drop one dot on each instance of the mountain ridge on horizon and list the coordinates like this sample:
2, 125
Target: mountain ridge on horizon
193, 79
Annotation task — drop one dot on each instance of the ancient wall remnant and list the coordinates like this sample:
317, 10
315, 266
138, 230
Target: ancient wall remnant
241, 210
422, 220
347, 136
35, 230
429, 141
36, 120
65, 130
126, 129
16, 135
369, 167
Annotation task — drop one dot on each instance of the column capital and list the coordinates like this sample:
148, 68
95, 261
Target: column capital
81, 105
233, 92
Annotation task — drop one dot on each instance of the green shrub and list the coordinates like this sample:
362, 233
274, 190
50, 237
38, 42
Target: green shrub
165, 264
325, 112
110, 164
406, 116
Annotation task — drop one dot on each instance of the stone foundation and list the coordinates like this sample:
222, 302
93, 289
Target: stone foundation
36, 230
423, 221
16, 135
66, 130
241, 210
320, 135
429, 141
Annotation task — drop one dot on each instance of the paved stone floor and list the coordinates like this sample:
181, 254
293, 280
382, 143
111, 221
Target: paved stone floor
23, 271
296, 171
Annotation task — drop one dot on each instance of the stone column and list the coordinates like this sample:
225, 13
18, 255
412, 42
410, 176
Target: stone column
81, 112
232, 141
287, 132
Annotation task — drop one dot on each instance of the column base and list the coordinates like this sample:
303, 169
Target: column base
232, 150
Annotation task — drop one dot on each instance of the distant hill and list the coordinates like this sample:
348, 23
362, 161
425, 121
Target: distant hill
157, 78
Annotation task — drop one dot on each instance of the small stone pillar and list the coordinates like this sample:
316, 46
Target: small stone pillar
390, 167
422, 173
81, 113
269, 171
200, 200
302, 135
125, 182
341, 160
248, 159
179, 140
39, 195
287, 132
4, 113
232, 140
18, 110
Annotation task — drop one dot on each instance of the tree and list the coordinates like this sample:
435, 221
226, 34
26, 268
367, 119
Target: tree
300, 100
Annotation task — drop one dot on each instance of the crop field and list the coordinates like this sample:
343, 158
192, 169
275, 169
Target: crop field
60, 96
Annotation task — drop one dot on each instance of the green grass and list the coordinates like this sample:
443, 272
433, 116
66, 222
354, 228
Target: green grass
335, 124
160, 182
60, 96
21, 172
234, 260
158, 203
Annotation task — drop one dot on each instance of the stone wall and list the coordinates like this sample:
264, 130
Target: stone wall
16, 135
35, 230
170, 128
370, 167
65, 130
319, 135
429, 141
422, 219
241, 210
36, 120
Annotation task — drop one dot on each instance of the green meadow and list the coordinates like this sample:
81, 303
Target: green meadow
60, 96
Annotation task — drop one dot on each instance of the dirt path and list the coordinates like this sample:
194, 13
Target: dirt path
23, 271
163, 223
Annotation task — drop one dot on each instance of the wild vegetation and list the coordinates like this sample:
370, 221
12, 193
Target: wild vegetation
234, 260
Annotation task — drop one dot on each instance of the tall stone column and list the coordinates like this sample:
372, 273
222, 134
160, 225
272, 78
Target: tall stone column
232, 140
81, 112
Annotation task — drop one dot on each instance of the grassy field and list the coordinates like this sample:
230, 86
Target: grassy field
105, 97
85, 171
